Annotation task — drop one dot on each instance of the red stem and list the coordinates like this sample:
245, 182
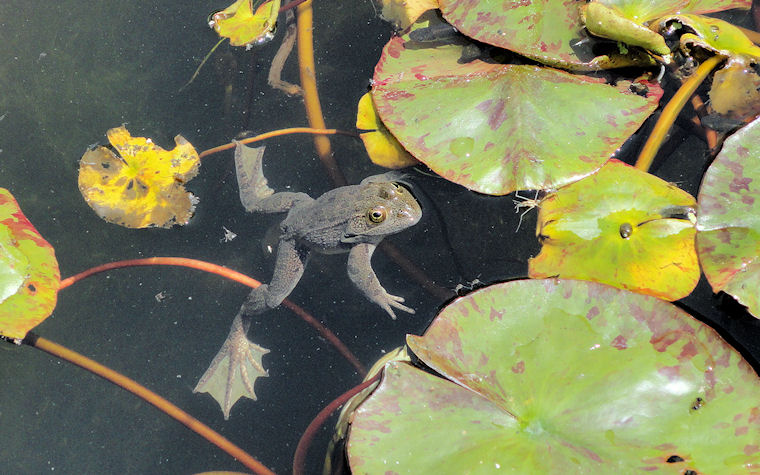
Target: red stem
232, 275
299, 458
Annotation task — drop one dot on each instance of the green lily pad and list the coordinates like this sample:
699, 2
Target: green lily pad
728, 226
549, 31
29, 278
562, 377
623, 227
498, 128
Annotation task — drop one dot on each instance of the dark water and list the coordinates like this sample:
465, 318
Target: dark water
71, 70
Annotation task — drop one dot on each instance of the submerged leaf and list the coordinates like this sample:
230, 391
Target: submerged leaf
622, 227
29, 276
382, 147
402, 13
735, 92
562, 377
728, 226
242, 26
142, 187
497, 128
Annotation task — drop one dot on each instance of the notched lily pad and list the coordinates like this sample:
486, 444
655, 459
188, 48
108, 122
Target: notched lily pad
562, 377
622, 227
247, 22
728, 226
142, 186
497, 128
29, 276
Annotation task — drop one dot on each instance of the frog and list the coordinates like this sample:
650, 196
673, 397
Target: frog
351, 219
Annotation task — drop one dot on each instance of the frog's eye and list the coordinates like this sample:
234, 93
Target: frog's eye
377, 214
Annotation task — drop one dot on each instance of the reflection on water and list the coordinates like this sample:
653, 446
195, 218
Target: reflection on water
70, 71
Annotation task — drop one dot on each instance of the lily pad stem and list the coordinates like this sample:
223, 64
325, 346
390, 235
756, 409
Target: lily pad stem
671, 111
232, 275
149, 396
277, 133
299, 457
307, 70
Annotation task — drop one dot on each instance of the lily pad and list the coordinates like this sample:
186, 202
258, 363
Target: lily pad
623, 227
142, 187
247, 22
562, 377
549, 31
497, 128
728, 226
382, 147
29, 276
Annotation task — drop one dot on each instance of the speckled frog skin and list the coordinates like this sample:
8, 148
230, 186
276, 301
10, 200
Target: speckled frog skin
351, 219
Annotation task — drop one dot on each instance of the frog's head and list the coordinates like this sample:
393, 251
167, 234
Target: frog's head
383, 208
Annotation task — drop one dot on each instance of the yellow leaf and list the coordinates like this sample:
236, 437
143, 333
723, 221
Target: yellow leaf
144, 186
242, 26
382, 147
622, 227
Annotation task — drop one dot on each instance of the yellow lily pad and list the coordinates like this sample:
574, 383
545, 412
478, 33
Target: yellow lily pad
622, 227
243, 26
382, 147
142, 187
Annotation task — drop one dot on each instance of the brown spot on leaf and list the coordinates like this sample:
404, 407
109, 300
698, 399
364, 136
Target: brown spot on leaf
619, 342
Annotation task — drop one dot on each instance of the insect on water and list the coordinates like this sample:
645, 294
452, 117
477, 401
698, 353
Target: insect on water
526, 203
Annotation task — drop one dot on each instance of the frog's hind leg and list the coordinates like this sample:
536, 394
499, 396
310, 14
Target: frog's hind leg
255, 194
288, 269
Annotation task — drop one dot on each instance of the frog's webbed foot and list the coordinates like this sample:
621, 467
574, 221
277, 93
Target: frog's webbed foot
362, 275
234, 369
255, 194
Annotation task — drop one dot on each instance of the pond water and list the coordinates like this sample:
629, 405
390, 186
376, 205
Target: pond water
70, 70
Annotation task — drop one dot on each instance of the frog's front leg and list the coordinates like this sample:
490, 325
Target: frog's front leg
361, 274
288, 269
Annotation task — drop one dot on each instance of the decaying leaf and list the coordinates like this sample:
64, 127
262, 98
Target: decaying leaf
735, 92
29, 276
141, 187
247, 23
382, 147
